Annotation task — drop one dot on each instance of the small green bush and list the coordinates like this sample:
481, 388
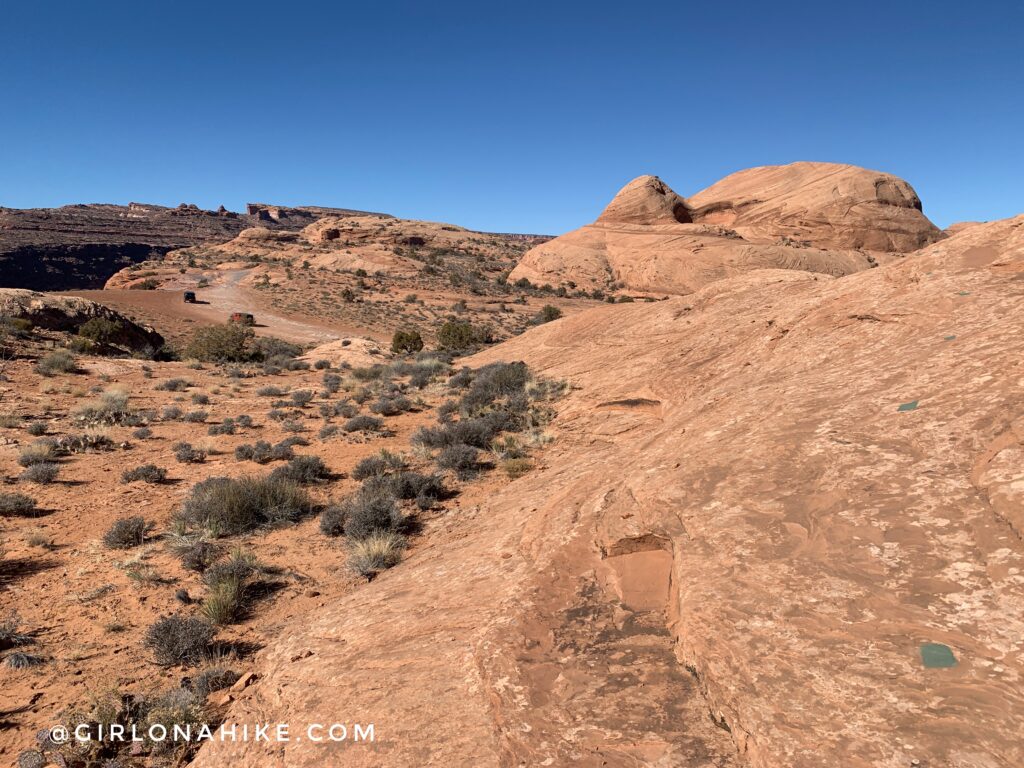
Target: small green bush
546, 315
405, 342
460, 335
100, 330
221, 343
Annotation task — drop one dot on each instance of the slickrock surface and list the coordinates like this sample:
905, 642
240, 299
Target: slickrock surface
784, 484
819, 217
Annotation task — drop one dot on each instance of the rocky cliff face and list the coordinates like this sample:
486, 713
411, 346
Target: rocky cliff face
817, 217
68, 313
81, 246
766, 505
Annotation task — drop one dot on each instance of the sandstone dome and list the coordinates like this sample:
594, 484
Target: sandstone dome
646, 200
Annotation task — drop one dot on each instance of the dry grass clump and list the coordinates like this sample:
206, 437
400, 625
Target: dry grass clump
375, 553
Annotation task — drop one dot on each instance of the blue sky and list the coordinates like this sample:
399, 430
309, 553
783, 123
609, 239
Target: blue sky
505, 117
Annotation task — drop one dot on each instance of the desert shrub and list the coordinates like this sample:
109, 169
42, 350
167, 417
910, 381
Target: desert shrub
198, 555
270, 347
321, 365
425, 489
100, 329
186, 454
22, 660
239, 567
147, 473
303, 470
271, 391
495, 382
367, 512
226, 427
363, 424
327, 431
43, 474
332, 520
459, 335
10, 420
293, 425
244, 421
16, 504
225, 506
478, 433
39, 452
142, 433
392, 406
301, 398
460, 458
375, 553
171, 413
84, 442
462, 379
36, 429
195, 417
179, 640
221, 343
332, 382
516, 468
263, 452
406, 342
508, 447
380, 464
10, 634
126, 533
371, 373
200, 398
110, 408
173, 385
213, 679
58, 361
546, 315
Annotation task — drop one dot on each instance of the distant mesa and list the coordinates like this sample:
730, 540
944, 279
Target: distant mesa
817, 217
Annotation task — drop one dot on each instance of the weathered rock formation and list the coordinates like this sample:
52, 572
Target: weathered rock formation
81, 246
68, 313
819, 217
766, 505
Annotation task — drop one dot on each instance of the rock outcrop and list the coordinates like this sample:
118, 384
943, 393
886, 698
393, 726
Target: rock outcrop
818, 217
81, 246
68, 313
766, 506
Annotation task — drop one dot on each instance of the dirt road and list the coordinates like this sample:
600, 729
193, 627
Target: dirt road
168, 313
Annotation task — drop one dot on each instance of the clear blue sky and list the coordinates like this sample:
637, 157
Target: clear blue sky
515, 116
